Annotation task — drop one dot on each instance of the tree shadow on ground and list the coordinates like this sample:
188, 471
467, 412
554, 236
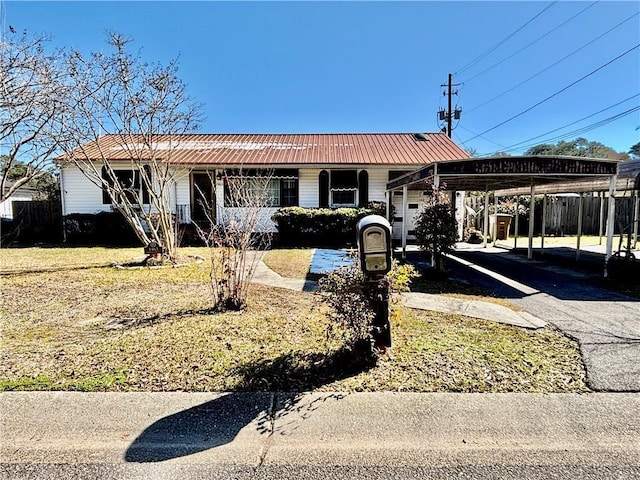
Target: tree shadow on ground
200, 428
255, 402
298, 371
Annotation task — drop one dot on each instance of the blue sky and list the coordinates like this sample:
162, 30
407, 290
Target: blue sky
307, 67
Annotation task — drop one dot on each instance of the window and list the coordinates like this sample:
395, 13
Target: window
129, 181
288, 192
346, 198
344, 187
252, 187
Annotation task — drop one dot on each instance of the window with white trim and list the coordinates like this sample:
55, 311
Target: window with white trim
344, 188
130, 183
278, 188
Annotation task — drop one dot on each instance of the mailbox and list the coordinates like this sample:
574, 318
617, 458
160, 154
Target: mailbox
374, 244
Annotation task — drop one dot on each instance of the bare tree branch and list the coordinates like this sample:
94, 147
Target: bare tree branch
235, 245
124, 105
32, 92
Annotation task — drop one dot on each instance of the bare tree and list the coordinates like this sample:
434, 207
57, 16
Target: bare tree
129, 119
32, 92
237, 239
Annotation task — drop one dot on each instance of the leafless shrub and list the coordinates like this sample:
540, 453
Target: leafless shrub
236, 238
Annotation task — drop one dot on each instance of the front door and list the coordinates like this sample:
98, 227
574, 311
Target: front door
415, 202
203, 198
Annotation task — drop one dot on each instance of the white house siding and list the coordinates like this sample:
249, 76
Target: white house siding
378, 178
83, 196
183, 195
80, 195
308, 187
308, 183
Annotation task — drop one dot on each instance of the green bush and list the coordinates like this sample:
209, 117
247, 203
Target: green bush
103, 228
332, 227
437, 228
349, 296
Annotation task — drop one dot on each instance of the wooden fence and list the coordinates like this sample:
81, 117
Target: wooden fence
36, 221
562, 214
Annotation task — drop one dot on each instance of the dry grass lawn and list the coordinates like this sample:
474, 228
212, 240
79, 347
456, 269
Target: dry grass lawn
65, 326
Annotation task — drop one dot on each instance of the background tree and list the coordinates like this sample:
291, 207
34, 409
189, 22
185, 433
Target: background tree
634, 151
580, 147
46, 183
32, 94
135, 111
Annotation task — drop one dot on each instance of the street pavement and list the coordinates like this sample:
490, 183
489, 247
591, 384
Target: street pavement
311, 435
605, 324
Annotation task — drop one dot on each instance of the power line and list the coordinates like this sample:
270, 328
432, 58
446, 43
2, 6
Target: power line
484, 138
516, 146
553, 64
531, 43
497, 45
579, 131
558, 92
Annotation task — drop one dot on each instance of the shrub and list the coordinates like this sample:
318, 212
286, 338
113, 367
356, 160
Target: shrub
436, 228
348, 294
333, 227
104, 228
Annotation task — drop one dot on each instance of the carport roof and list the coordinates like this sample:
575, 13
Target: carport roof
508, 172
628, 179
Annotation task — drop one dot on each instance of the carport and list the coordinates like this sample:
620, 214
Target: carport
511, 175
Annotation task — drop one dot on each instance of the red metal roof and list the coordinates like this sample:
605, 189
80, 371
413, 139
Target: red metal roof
284, 149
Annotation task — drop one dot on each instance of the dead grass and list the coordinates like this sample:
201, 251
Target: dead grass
107, 329
290, 263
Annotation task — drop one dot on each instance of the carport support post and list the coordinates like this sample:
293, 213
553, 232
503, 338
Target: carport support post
532, 208
611, 214
495, 212
404, 221
515, 233
485, 227
636, 212
387, 199
544, 221
580, 211
601, 226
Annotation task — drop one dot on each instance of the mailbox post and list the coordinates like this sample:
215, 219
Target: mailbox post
374, 247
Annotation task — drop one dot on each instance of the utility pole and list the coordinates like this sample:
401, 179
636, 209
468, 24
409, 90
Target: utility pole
449, 115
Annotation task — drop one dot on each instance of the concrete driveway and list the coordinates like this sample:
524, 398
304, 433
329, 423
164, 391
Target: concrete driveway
605, 324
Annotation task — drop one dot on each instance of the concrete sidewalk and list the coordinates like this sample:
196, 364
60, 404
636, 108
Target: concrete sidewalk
262, 430
422, 301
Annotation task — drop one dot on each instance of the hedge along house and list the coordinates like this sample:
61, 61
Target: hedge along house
307, 170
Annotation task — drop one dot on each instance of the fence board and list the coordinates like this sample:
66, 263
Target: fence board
37, 221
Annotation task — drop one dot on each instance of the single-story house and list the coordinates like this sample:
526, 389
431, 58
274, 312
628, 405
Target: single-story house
25, 193
307, 170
